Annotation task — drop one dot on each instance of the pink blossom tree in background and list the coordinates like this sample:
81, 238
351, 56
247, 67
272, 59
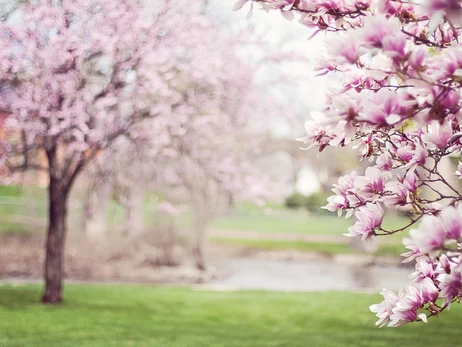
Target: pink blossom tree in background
77, 75
214, 155
70, 70
399, 102
208, 152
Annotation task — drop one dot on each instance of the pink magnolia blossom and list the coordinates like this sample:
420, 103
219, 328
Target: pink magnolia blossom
438, 134
378, 28
417, 58
429, 290
451, 286
345, 49
369, 218
340, 201
445, 265
398, 194
452, 8
384, 310
413, 252
419, 157
405, 310
410, 181
451, 219
404, 153
384, 162
383, 108
372, 183
430, 236
399, 96
424, 269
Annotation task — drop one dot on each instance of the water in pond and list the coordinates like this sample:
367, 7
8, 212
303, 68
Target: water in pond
263, 274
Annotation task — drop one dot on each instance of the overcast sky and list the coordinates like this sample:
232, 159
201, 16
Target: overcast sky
307, 94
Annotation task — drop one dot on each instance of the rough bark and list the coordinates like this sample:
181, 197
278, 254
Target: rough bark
58, 196
61, 176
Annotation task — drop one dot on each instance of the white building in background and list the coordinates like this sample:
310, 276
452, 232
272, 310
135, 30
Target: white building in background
307, 182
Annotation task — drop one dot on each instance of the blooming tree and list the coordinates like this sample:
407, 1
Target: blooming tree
207, 152
77, 75
208, 166
399, 103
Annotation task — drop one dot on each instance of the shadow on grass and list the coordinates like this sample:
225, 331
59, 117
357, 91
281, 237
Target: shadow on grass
19, 296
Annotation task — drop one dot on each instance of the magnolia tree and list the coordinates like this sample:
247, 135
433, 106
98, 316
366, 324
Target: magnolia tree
214, 156
400, 103
204, 154
75, 76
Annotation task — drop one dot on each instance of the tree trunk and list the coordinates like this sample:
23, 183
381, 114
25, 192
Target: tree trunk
199, 255
231, 203
200, 244
58, 194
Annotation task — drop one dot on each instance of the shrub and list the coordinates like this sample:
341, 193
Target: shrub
296, 200
314, 202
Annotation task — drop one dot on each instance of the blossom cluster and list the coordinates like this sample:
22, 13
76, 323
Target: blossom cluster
437, 279
76, 75
399, 105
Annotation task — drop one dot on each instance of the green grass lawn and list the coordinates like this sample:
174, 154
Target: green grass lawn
293, 221
284, 221
327, 248
24, 209
297, 222
98, 315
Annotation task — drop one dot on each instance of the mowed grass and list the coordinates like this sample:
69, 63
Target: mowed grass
327, 248
294, 221
23, 208
283, 221
98, 315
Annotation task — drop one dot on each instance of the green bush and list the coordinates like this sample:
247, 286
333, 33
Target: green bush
296, 200
10, 190
19, 191
314, 202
